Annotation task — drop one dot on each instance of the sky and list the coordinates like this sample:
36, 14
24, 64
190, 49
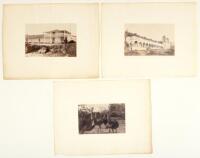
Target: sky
153, 31
96, 107
33, 29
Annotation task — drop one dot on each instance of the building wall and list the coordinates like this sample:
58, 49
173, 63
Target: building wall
59, 40
34, 40
138, 43
49, 38
57, 37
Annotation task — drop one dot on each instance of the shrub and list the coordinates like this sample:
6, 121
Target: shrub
31, 48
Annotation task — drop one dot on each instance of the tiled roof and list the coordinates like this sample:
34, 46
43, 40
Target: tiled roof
35, 36
143, 37
58, 31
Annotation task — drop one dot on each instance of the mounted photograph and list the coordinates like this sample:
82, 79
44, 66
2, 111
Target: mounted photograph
101, 118
50, 40
118, 116
149, 40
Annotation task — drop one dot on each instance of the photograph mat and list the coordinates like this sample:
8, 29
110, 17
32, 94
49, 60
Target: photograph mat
136, 96
17, 66
181, 15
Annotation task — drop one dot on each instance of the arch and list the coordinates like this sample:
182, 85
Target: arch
136, 43
140, 44
128, 39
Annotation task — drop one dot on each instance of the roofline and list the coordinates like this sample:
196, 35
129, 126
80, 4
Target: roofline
58, 31
135, 34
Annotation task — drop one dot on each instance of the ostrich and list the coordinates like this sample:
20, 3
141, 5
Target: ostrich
112, 124
87, 121
105, 119
98, 120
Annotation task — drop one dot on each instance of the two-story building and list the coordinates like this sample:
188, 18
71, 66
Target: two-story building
51, 37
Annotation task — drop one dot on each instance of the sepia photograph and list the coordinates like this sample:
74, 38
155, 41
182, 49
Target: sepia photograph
50, 40
101, 118
149, 40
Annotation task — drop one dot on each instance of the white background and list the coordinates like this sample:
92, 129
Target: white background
26, 118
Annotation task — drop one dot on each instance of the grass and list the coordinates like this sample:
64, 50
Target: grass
68, 50
104, 130
155, 52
